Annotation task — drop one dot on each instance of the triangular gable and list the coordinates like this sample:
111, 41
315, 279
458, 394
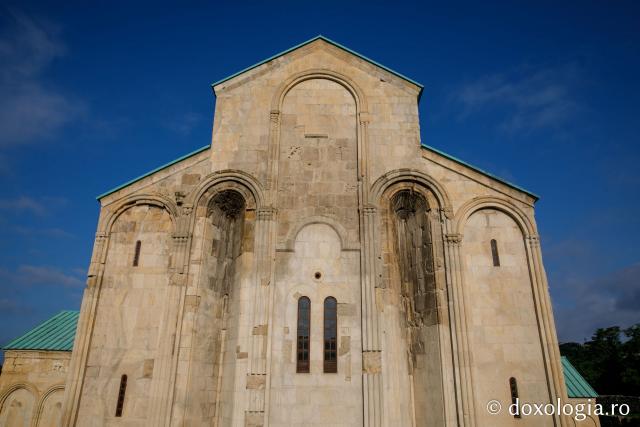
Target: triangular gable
331, 42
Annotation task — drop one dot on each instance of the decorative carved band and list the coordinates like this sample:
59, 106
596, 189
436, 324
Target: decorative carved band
372, 362
447, 211
364, 118
266, 214
178, 279
180, 237
274, 116
369, 210
533, 240
179, 195
453, 238
187, 208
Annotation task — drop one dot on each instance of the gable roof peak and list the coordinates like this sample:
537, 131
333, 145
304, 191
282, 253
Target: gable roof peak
326, 40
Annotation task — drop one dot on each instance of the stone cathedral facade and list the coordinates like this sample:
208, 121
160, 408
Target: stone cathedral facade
315, 265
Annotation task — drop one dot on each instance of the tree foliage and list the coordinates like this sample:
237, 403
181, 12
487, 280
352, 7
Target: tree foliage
609, 361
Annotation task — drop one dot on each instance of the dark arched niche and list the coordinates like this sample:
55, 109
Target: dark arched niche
413, 224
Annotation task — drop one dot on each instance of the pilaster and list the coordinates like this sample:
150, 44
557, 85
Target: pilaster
257, 375
84, 331
372, 386
546, 325
459, 329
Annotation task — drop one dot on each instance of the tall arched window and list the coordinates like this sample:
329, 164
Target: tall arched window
494, 253
121, 392
513, 388
136, 255
304, 320
330, 335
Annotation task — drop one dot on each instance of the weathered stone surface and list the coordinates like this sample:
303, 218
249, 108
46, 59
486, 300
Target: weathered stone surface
32, 387
315, 186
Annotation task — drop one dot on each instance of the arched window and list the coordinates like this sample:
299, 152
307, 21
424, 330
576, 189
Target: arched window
494, 253
513, 387
304, 320
330, 335
121, 392
136, 256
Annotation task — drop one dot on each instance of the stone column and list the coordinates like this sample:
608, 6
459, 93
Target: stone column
546, 326
274, 147
459, 330
262, 302
75, 377
371, 343
166, 359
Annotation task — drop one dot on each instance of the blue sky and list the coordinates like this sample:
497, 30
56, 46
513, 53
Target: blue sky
543, 95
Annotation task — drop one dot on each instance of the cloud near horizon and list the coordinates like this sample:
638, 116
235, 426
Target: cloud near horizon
610, 300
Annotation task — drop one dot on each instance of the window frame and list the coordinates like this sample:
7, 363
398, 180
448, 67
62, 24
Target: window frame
136, 254
303, 342
330, 336
122, 390
494, 253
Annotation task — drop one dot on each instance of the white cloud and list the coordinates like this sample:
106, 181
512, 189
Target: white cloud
40, 275
185, 123
53, 232
38, 206
527, 99
23, 203
29, 109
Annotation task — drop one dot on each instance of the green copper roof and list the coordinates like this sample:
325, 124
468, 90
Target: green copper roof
56, 333
338, 45
477, 169
577, 386
120, 187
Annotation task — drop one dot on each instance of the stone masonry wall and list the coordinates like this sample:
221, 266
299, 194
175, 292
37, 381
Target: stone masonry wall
32, 387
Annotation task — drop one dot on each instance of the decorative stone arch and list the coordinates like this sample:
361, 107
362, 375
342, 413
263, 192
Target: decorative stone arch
158, 200
401, 179
319, 73
43, 399
4, 395
13, 387
345, 243
230, 179
489, 202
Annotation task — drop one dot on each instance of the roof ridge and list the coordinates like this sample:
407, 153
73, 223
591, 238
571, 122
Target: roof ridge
477, 169
331, 42
151, 172
56, 333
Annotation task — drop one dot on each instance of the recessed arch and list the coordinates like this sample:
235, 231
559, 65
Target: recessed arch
319, 73
345, 243
157, 200
247, 185
58, 388
7, 392
396, 180
15, 389
488, 202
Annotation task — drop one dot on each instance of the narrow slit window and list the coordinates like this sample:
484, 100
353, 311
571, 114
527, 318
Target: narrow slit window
513, 387
136, 255
121, 392
330, 335
494, 253
304, 320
